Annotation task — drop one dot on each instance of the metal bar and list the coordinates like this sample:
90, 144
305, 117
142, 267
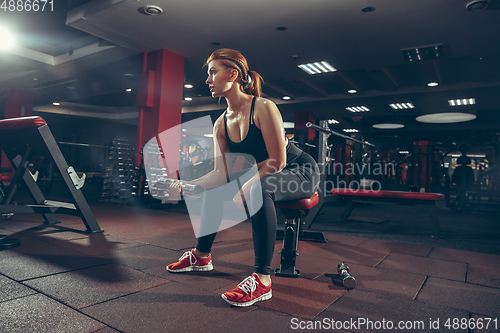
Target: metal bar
80, 144
329, 131
76, 196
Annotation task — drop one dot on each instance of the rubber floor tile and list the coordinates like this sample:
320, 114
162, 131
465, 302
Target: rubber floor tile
371, 312
39, 313
172, 240
477, 299
344, 239
348, 253
234, 235
171, 307
106, 330
404, 248
379, 280
233, 251
222, 275
54, 233
10, 289
265, 320
483, 275
142, 257
136, 232
481, 259
298, 297
28, 267
86, 287
431, 267
99, 243
32, 247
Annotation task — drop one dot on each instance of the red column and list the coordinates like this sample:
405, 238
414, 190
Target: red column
159, 98
19, 103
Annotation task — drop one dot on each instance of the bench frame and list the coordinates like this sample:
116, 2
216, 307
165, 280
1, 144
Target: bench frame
21, 139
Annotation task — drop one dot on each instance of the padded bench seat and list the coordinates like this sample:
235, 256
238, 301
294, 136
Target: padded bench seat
18, 123
395, 197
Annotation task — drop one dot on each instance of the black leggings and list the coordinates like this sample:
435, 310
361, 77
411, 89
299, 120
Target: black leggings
296, 181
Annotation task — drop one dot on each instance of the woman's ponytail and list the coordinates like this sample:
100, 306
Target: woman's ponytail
254, 84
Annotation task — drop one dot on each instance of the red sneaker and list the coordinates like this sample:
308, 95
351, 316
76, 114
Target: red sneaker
189, 262
248, 292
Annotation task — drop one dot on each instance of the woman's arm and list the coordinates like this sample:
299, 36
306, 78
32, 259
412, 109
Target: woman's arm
268, 119
222, 165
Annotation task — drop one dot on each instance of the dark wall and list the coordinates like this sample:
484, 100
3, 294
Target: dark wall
97, 133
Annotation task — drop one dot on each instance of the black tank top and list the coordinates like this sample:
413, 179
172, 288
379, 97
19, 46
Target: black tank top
253, 144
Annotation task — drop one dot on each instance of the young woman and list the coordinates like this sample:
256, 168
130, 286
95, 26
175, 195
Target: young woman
251, 125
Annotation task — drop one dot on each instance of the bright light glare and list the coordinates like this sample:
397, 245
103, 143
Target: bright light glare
6, 39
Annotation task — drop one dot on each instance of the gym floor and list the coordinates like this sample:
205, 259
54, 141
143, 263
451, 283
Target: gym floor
63, 280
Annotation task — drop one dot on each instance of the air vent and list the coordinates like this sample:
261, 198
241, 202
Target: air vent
150, 10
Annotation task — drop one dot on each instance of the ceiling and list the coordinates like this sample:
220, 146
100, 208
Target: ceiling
84, 54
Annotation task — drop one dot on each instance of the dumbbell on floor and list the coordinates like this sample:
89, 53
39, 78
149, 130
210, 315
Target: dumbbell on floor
348, 281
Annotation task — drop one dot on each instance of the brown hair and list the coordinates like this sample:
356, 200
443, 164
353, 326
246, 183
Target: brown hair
235, 60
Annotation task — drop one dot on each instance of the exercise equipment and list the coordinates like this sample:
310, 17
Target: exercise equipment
187, 189
348, 281
329, 131
120, 181
344, 155
394, 197
24, 139
293, 211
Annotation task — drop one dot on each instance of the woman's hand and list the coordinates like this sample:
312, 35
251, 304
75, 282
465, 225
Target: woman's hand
169, 184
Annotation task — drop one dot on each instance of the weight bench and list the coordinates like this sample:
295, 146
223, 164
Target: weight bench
292, 233
23, 139
396, 197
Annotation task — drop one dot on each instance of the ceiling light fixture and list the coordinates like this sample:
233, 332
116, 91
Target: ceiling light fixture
446, 117
317, 68
357, 108
332, 121
56, 103
188, 99
462, 101
432, 84
352, 91
128, 90
6, 39
150, 10
478, 5
286, 98
288, 124
404, 152
388, 126
400, 106
188, 86
350, 130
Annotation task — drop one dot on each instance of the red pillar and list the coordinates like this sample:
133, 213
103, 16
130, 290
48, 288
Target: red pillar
159, 98
19, 103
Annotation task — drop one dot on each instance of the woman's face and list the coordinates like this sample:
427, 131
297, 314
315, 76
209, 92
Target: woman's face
219, 78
